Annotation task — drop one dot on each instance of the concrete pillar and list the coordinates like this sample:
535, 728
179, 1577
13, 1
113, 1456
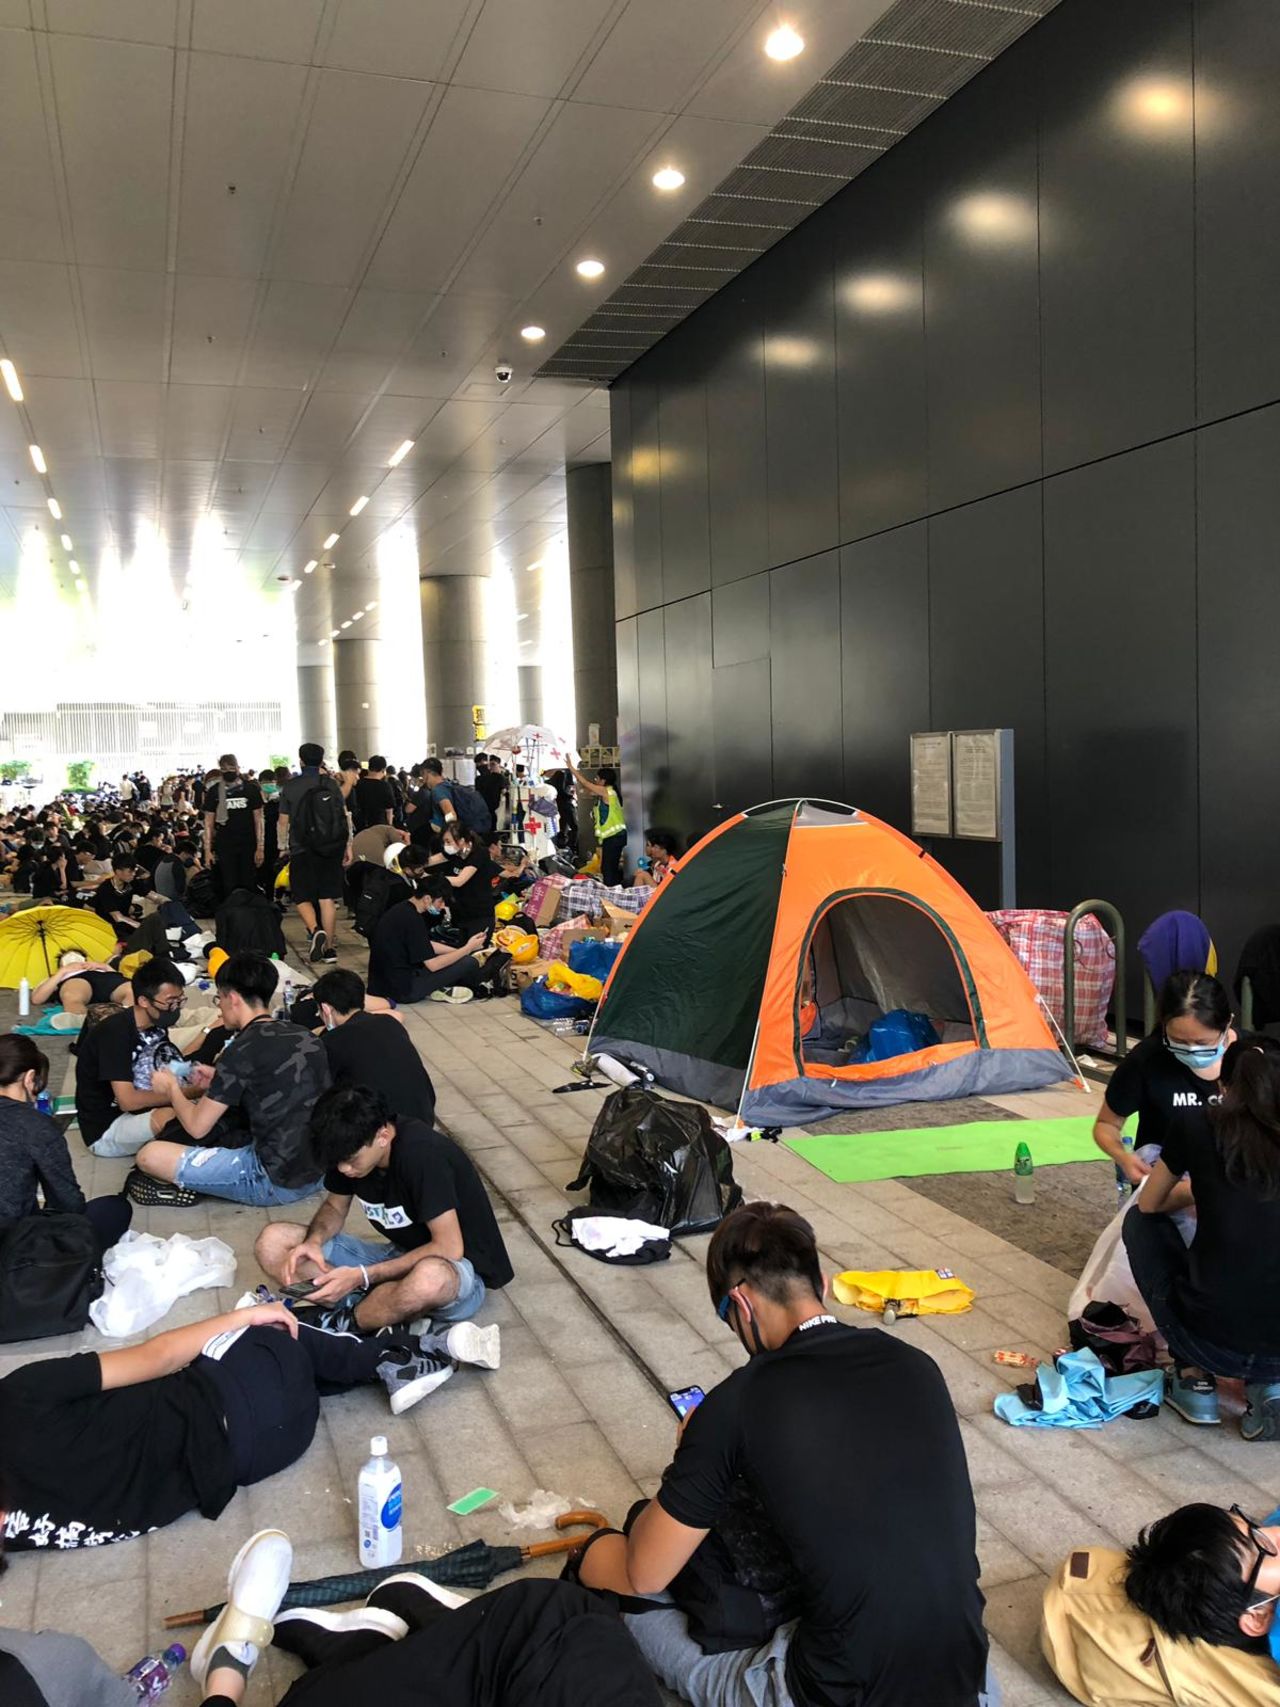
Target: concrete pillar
589, 494
317, 717
355, 680
453, 655
529, 687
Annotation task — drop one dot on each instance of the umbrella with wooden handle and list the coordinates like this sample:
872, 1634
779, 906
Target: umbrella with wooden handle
473, 1566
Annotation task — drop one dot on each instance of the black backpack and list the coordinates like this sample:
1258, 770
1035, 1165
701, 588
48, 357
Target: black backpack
247, 920
202, 895
379, 890
658, 1161
50, 1273
471, 807
319, 821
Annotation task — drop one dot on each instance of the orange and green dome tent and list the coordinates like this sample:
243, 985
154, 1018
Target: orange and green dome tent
761, 963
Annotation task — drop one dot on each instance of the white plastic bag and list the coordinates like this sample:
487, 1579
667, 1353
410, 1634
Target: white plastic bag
1108, 1277
146, 1276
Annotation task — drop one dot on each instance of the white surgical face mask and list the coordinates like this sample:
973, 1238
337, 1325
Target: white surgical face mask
72, 959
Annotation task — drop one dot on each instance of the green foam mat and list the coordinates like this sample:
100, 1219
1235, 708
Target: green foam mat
983, 1146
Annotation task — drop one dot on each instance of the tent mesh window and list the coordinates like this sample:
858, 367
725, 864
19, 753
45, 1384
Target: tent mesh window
871, 954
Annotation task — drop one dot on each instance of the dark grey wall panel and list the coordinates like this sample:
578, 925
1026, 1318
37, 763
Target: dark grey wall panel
742, 723
880, 368
884, 623
736, 461
981, 298
624, 538
1116, 229
1120, 681
740, 621
682, 427
1239, 618
986, 606
646, 496
1237, 205
651, 662
800, 397
804, 646
690, 754
630, 736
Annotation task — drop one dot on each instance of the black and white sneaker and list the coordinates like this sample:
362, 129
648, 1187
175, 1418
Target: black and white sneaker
409, 1376
315, 1634
414, 1598
157, 1193
319, 947
330, 956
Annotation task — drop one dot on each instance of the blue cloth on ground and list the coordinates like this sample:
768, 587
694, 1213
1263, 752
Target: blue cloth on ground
44, 1027
1077, 1392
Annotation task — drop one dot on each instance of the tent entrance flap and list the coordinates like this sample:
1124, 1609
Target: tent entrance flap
870, 953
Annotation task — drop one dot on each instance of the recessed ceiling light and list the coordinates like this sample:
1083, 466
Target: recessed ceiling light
399, 453
372, 605
531, 567
309, 568
358, 505
66, 542
333, 634
590, 269
783, 43
344, 625
330, 542
11, 380
75, 567
522, 616
37, 457
356, 615
669, 178
55, 509
533, 334
293, 586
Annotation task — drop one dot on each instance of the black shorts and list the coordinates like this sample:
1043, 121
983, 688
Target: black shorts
315, 877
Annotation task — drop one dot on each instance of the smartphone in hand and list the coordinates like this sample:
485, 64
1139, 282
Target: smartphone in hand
685, 1401
300, 1289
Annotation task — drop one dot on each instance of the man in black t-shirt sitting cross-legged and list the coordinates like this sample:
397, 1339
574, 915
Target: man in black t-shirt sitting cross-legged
442, 1248
839, 1450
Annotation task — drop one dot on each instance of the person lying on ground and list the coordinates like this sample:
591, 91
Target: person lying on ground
104, 1446
873, 1548
79, 983
1203, 1574
115, 901
1218, 1303
35, 1164
119, 1103
407, 964
372, 1049
442, 1247
262, 1089
534, 1643
1177, 1067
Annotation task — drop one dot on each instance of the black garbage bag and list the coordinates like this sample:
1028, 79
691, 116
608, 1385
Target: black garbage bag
658, 1161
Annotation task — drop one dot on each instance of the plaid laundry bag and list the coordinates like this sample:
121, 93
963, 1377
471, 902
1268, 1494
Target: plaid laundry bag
1036, 936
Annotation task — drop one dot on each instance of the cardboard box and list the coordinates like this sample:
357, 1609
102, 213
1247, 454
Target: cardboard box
620, 921
581, 933
548, 908
529, 974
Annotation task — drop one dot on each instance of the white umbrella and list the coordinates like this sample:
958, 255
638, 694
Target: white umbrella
538, 748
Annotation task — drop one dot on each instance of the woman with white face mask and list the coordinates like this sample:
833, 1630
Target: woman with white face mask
1178, 1067
469, 873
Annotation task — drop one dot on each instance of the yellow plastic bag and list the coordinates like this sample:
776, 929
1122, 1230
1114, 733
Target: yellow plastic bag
904, 1292
507, 909
560, 978
131, 962
282, 878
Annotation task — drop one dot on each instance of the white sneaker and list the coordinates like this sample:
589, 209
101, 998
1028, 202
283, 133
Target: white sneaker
481, 1347
256, 1584
459, 993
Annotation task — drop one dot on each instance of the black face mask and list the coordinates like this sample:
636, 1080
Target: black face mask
166, 1017
230, 776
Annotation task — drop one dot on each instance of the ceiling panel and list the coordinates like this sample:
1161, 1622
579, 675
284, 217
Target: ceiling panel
28, 198
262, 423
475, 142
126, 20
294, 333
380, 324
750, 86
327, 422
39, 316
195, 420
443, 353
532, 50
356, 143
125, 320
250, 28
238, 135
397, 38
658, 51
295, 487
211, 323
115, 147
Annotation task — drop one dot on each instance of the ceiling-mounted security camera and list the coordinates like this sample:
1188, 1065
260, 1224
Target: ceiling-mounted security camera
503, 372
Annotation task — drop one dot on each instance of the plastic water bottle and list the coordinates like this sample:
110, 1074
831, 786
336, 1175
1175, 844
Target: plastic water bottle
1024, 1175
379, 1500
44, 1103
154, 1672
24, 997
1123, 1187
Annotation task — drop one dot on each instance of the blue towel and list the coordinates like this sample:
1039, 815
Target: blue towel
1175, 942
44, 1027
1077, 1392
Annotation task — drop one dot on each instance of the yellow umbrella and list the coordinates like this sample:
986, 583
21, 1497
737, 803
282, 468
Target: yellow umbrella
31, 942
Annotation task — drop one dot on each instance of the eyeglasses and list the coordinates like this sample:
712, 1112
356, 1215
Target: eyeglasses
722, 1308
170, 1007
1265, 1549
